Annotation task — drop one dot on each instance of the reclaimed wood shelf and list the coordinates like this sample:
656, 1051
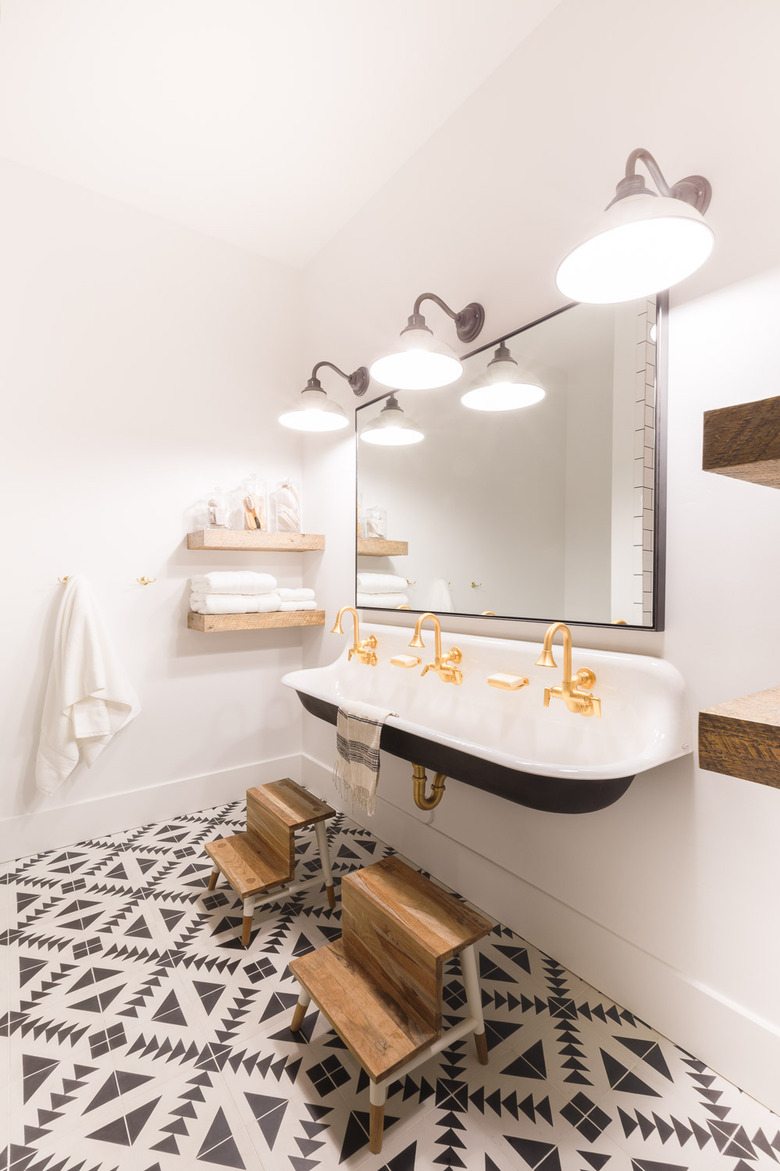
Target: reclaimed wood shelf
379, 547
236, 539
743, 441
741, 738
213, 623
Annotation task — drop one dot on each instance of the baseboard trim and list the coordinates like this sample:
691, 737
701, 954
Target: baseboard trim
47, 828
732, 1040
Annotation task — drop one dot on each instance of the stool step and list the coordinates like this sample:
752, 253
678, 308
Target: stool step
289, 803
244, 868
380, 1031
441, 925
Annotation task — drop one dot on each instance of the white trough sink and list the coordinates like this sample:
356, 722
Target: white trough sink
507, 742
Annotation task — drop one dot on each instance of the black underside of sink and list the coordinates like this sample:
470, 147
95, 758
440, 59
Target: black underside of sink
552, 794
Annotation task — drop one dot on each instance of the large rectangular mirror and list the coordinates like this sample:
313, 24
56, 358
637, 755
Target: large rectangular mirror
546, 512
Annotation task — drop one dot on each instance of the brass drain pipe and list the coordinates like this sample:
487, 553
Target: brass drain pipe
419, 780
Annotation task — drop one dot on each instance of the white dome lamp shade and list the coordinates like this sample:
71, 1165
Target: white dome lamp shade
392, 428
503, 388
644, 242
314, 411
422, 362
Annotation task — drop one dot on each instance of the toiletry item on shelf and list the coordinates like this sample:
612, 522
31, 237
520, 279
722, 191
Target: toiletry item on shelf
218, 509
287, 507
374, 523
253, 502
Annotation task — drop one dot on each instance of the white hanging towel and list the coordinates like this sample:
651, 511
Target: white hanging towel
441, 598
88, 697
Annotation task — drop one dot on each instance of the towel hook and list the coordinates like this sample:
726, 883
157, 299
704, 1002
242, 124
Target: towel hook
476, 585
146, 580
410, 583
62, 580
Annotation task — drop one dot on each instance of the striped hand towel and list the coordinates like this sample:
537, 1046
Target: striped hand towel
356, 775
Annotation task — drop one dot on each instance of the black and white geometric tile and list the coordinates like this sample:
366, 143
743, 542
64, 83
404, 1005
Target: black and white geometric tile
137, 1034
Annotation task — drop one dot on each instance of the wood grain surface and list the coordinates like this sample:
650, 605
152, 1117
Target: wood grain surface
743, 441
214, 623
234, 539
741, 738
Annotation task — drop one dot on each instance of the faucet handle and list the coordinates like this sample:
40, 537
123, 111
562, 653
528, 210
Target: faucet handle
454, 656
370, 641
585, 678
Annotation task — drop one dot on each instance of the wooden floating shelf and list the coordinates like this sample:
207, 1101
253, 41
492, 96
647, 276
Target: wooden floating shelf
741, 738
743, 441
236, 539
378, 547
213, 623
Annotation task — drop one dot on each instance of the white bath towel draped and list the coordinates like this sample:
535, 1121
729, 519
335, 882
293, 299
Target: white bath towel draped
88, 697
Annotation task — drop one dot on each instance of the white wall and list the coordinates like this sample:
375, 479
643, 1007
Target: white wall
668, 900
140, 364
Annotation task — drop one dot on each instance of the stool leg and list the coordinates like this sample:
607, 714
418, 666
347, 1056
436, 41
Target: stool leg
377, 1124
322, 843
304, 1000
468, 966
249, 911
213, 878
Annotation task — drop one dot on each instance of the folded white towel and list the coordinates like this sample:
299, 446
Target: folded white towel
383, 601
290, 595
88, 697
381, 583
356, 773
234, 603
299, 604
243, 581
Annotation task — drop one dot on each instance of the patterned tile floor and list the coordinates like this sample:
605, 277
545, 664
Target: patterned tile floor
140, 1036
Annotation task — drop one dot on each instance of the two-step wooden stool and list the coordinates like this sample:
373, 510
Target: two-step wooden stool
380, 985
257, 862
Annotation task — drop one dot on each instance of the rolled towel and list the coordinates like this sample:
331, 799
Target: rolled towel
234, 603
383, 601
303, 595
299, 604
381, 583
243, 581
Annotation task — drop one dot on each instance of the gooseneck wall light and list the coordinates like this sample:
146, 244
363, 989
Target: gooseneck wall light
645, 242
315, 411
422, 362
502, 387
392, 427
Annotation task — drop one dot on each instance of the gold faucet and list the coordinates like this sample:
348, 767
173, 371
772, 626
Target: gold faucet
575, 693
361, 650
446, 666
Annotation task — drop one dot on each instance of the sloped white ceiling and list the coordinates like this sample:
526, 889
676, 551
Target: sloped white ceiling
266, 123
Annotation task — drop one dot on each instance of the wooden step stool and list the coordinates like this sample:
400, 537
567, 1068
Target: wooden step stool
263, 858
380, 985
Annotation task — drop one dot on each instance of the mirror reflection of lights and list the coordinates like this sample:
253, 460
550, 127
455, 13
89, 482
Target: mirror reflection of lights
504, 388
392, 428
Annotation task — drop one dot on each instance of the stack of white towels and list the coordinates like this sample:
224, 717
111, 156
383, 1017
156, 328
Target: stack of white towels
245, 592
382, 589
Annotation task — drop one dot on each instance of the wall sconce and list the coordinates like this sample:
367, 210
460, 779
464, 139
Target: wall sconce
644, 242
502, 388
392, 428
422, 362
315, 411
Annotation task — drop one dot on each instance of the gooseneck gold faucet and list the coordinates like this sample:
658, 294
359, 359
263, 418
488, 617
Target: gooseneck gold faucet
575, 693
364, 651
444, 666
